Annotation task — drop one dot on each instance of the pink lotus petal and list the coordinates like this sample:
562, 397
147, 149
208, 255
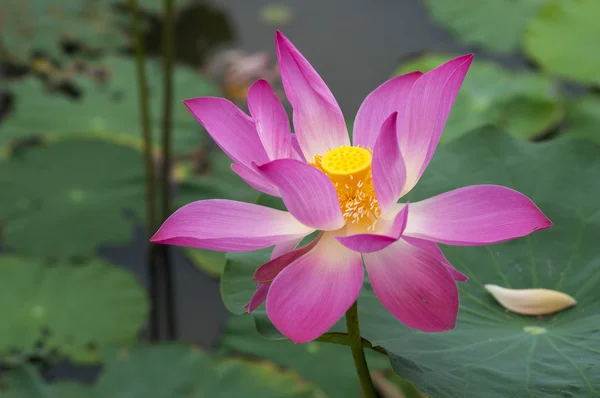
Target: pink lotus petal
271, 121
227, 225
368, 243
414, 286
318, 120
311, 294
389, 171
429, 104
475, 215
296, 150
386, 99
285, 247
268, 271
258, 298
255, 180
307, 193
263, 288
435, 250
232, 130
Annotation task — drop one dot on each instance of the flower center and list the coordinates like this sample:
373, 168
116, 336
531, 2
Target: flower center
349, 168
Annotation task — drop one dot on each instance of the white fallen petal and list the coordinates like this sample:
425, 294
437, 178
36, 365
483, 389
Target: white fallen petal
531, 301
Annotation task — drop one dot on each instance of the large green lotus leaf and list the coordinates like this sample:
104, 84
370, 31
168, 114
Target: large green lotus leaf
494, 353
166, 371
67, 198
583, 117
562, 39
40, 25
25, 382
216, 181
108, 109
329, 367
497, 25
66, 308
522, 103
178, 371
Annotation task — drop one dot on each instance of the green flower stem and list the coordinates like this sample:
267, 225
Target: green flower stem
164, 271
343, 339
167, 58
360, 362
144, 117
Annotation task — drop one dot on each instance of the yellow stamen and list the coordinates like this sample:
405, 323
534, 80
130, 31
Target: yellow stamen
349, 168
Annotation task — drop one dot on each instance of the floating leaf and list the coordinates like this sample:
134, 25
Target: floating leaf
393, 386
167, 371
216, 180
67, 198
40, 26
583, 117
522, 103
562, 39
493, 353
107, 109
73, 310
25, 382
176, 370
531, 301
495, 25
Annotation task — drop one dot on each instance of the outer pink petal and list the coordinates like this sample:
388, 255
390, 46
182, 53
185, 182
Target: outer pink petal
429, 104
232, 130
434, 249
230, 226
386, 99
389, 171
311, 294
307, 193
414, 286
258, 298
368, 243
254, 179
262, 289
268, 271
475, 215
318, 120
285, 247
271, 121
296, 150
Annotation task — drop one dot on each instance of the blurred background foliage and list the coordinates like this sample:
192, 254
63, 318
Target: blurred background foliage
73, 281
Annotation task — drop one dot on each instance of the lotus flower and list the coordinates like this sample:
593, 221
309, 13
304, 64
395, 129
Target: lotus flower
349, 193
